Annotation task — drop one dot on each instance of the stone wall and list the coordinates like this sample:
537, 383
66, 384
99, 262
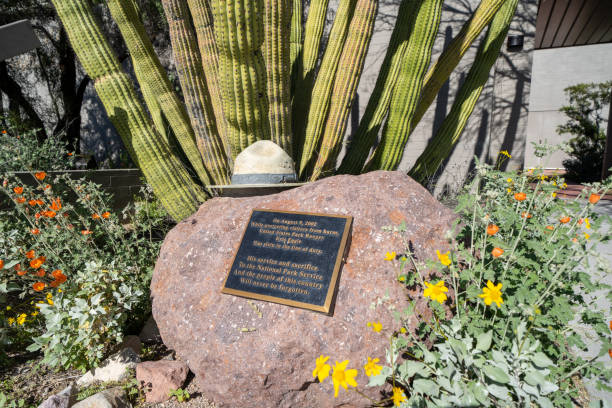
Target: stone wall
124, 184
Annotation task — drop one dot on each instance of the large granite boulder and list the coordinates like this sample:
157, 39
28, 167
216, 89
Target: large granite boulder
248, 353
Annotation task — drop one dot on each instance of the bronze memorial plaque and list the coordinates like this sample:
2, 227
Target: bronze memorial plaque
291, 258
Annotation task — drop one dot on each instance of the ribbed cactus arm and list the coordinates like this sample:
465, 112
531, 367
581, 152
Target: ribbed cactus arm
203, 24
197, 98
296, 41
159, 95
441, 145
347, 77
321, 92
450, 57
378, 104
406, 94
163, 170
239, 34
313, 31
277, 27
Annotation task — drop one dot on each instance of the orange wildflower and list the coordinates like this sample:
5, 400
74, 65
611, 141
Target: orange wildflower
56, 204
550, 227
520, 196
86, 232
35, 231
39, 201
40, 175
21, 200
492, 229
37, 215
497, 252
610, 352
20, 272
49, 213
36, 263
32, 202
69, 153
18, 190
40, 273
106, 214
54, 284
525, 214
594, 198
610, 322
580, 221
30, 254
95, 216
17, 267
38, 286
59, 276
48, 186
3, 132
564, 220
2, 266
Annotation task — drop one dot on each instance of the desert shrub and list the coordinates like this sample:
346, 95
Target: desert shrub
20, 150
513, 303
73, 273
587, 126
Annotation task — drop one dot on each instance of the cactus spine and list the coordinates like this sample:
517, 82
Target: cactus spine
323, 86
345, 84
277, 25
407, 91
313, 30
239, 36
156, 88
203, 24
189, 68
448, 135
169, 179
378, 104
442, 68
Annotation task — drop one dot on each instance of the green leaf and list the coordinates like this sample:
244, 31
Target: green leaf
534, 378
496, 374
380, 379
541, 360
425, 387
546, 387
409, 368
483, 341
498, 391
33, 347
545, 402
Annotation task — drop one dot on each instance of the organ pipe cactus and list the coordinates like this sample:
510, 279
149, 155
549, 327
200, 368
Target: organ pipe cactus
251, 70
162, 169
408, 87
448, 135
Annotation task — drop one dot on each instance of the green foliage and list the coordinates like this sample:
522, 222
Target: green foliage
75, 274
180, 394
20, 150
587, 126
523, 351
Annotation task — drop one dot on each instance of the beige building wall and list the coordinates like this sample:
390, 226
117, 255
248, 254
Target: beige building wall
555, 69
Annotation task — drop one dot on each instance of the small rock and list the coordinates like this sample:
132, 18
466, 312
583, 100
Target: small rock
113, 368
111, 398
132, 342
158, 378
63, 399
150, 332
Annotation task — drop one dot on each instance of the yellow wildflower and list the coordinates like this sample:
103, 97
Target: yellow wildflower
8, 308
376, 326
553, 194
343, 377
505, 153
322, 369
402, 278
398, 396
371, 368
587, 236
50, 298
21, 319
492, 294
436, 292
509, 180
35, 313
11, 320
509, 190
403, 330
587, 224
444, 258
390, 256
